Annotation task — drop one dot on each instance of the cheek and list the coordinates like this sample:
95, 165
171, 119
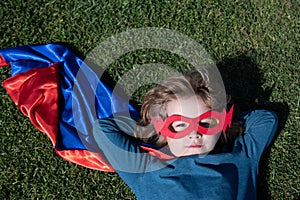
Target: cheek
176, 145
173, 143
211, 140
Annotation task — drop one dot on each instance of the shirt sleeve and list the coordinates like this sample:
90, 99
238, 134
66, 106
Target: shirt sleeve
260, 129
120, 149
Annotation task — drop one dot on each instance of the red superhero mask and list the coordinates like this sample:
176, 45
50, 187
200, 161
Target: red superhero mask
209, 123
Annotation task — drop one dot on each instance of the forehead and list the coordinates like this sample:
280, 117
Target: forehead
192, 106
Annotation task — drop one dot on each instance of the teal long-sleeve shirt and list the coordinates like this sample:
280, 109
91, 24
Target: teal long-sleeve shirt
225, 175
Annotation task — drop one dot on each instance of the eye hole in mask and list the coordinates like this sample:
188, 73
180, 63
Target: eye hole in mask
178, 126
209, 122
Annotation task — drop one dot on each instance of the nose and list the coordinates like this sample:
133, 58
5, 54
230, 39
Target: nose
195, 135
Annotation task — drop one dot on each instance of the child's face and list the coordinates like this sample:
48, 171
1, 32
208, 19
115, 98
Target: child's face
193, 143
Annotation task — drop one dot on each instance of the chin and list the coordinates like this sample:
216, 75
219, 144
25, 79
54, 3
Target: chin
201, 152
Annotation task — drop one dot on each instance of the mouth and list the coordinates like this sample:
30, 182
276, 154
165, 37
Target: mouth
195, 146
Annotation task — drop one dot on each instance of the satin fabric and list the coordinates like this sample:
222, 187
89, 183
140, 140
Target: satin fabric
45, 87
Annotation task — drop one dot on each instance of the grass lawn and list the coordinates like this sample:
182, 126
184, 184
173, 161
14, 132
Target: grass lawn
255, 44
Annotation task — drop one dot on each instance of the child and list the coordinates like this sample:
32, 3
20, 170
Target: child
196, 158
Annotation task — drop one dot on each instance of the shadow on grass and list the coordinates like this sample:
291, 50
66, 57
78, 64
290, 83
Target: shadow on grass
243, 81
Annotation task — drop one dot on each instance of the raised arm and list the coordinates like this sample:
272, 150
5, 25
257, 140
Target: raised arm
260, 129
112, 136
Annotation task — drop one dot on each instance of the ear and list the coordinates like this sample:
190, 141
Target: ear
228, 98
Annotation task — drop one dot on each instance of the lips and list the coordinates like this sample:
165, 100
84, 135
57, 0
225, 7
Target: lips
195, 146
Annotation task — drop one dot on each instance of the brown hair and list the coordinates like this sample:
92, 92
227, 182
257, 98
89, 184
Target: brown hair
154, 102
